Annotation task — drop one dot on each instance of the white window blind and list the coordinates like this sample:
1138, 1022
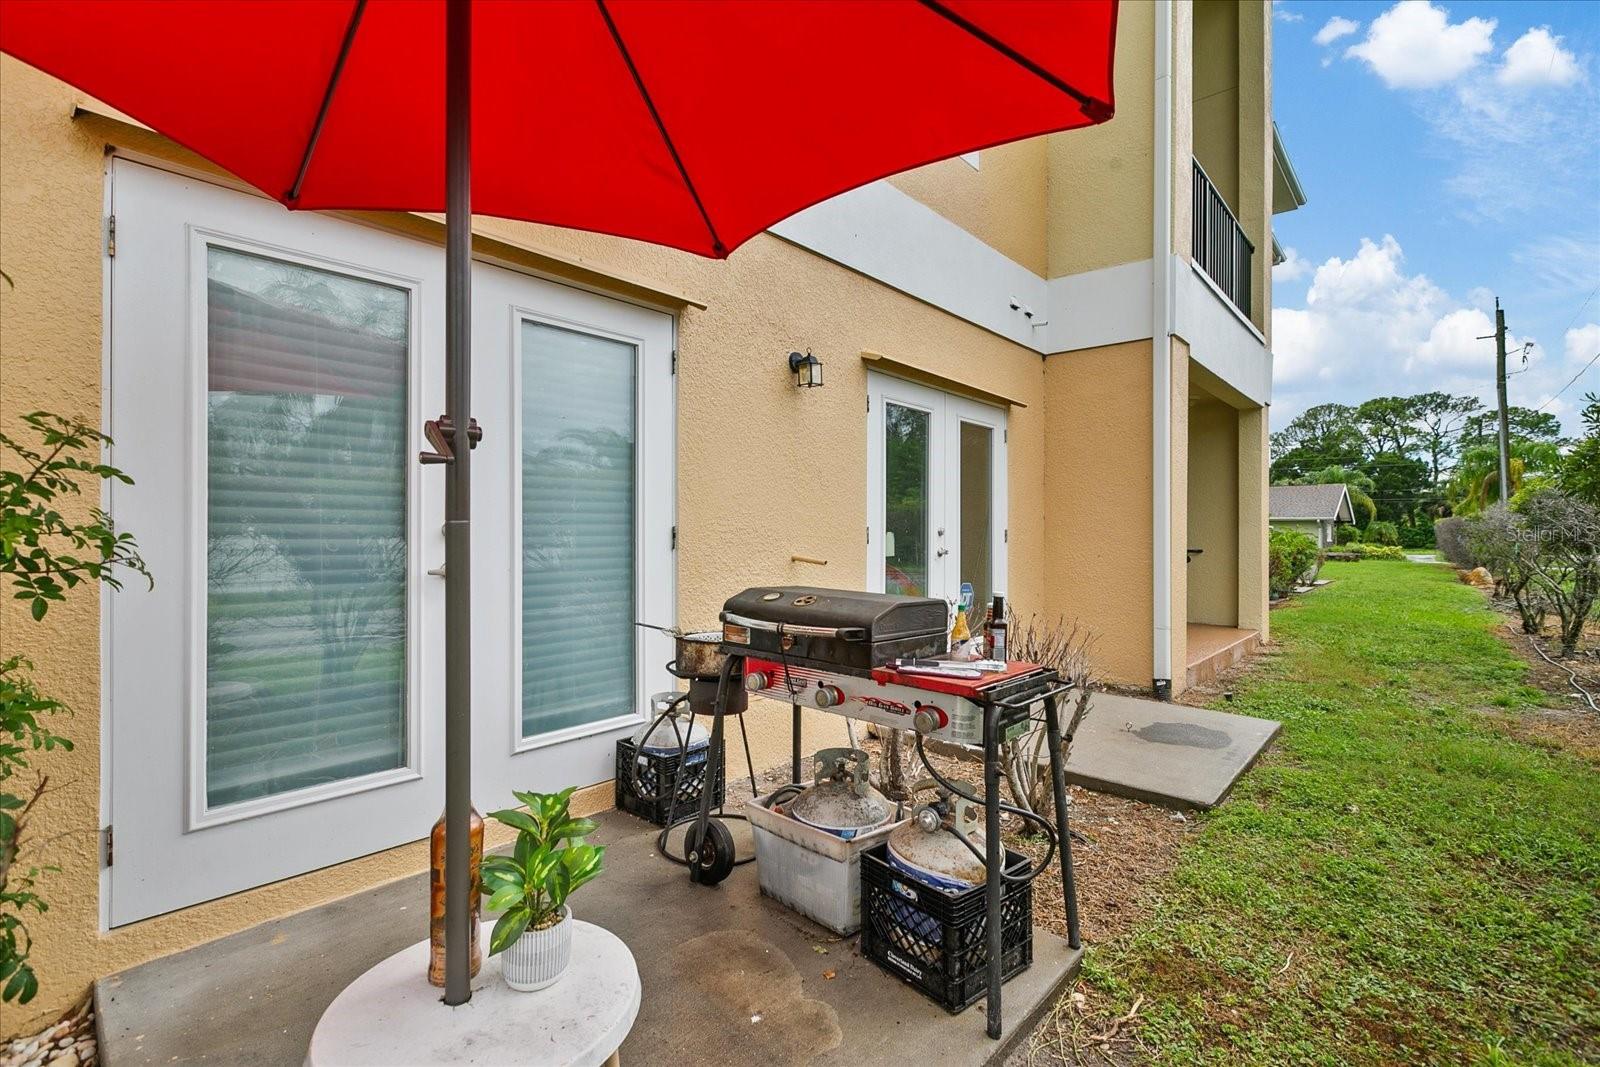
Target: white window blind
306, 546
578, 581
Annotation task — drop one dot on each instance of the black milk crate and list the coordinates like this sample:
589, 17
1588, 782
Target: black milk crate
656, 774
937, 939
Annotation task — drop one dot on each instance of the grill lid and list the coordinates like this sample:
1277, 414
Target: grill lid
878, 616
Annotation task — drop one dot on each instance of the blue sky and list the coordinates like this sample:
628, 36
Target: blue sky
1451, 154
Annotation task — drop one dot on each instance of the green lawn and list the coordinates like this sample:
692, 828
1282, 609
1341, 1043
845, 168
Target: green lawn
1398, 881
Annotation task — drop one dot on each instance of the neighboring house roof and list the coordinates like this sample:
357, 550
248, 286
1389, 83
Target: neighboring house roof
1310, 502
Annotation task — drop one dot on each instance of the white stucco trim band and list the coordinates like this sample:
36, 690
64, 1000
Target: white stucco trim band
892, 237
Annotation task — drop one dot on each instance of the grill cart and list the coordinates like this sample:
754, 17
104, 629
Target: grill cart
851, 654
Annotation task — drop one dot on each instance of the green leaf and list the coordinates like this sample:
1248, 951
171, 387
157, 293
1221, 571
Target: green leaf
40, 606
506, 931
517, 820
578, 828
504, 898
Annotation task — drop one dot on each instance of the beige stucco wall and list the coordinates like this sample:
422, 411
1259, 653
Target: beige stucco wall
1097, 529
1215, 92
1255, 152
1253, 494
1100, 179
1213, 576
1001, 201
741, 425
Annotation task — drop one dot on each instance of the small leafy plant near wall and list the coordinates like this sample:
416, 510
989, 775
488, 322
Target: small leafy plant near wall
43, 555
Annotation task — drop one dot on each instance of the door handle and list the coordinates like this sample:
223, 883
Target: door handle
942, 552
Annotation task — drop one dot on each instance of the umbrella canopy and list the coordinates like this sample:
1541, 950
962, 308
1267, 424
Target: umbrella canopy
690, 124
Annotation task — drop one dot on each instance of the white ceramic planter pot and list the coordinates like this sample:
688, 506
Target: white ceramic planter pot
538, 957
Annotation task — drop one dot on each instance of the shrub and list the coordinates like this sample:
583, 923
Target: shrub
1291, 555
1369, 551
1382, 533
1416, 535
1565, 562
1499, 540
1450, 535
1345, 534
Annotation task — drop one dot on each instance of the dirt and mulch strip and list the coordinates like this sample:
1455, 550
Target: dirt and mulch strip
1568, 723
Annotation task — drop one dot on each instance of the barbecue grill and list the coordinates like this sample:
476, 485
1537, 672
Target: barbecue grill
856, 654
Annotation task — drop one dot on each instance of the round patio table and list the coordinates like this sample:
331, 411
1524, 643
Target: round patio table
392, 1016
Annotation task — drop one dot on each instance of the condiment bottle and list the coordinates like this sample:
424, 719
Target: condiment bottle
998, 637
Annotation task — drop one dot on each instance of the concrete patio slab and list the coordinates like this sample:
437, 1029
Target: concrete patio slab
1167, 754
729, 977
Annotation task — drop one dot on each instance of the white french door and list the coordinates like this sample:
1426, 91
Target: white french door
275, 704
936, 492
266, 701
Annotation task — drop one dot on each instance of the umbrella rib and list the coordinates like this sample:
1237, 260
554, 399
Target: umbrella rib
1097, 110
327, 98
661, 127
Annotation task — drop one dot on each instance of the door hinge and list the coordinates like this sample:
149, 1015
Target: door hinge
674, 361
869, 402
1006, 537
674, 538
1005, 437
109, 853
111, 235
869, 535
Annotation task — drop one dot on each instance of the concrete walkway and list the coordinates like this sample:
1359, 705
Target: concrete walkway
729, 977
1167, 754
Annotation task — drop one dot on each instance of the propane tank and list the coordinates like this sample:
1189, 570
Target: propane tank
927, 849
842, 801
672, 734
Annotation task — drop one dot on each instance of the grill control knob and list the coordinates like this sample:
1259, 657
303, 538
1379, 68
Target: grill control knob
929, 718
829, 696
756, 681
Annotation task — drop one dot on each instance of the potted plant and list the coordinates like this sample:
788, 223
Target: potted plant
530, 886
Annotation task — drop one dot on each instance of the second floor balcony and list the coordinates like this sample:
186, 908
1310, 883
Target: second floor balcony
1221, 248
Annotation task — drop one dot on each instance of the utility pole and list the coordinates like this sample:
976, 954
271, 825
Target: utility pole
1500, 390
1504, 435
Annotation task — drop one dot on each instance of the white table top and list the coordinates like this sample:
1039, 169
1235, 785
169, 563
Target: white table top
391, 1016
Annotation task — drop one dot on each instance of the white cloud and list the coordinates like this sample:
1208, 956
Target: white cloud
1414, 45
1334, 29
1292, 269
1582, 342
1282, 13
1369, 328
1537, 58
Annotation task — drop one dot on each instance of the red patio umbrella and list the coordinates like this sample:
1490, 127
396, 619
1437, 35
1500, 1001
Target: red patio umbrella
689, 123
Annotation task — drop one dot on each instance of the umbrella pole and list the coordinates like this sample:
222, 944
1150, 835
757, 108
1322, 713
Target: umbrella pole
458, 503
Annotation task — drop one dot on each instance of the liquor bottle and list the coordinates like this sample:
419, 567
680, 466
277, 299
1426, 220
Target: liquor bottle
436, 895
998, 638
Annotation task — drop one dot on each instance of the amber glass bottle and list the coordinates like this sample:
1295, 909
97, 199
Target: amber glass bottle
436, 896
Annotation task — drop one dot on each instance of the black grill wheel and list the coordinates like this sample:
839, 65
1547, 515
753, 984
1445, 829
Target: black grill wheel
711, 857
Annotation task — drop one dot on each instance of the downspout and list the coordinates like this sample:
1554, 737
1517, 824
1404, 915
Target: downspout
1161, 362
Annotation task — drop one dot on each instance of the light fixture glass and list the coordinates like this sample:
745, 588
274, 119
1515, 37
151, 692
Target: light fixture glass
807, 370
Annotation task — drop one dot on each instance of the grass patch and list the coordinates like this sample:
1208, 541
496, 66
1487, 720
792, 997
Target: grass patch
1398, 880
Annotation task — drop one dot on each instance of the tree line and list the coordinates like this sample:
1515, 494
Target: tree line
1412, 459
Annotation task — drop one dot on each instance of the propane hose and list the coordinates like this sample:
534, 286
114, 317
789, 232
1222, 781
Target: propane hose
683, 757
1033, 817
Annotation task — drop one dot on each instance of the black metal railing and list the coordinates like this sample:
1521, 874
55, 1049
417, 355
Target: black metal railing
1220, 246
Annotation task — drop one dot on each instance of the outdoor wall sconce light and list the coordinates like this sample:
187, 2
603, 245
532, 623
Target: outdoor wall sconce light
807, 370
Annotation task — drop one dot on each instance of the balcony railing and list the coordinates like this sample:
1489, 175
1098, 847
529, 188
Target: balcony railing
1220, 247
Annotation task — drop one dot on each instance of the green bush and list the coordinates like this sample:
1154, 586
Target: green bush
1416, 535
1291, 556
1382, 532
1367, 551
1346, 534
1450, 536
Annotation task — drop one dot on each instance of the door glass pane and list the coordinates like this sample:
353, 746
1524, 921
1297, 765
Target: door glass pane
976, 516
905, 506
577, 528
306, 538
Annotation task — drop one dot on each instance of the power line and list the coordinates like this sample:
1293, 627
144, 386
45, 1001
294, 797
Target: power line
1575, 377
